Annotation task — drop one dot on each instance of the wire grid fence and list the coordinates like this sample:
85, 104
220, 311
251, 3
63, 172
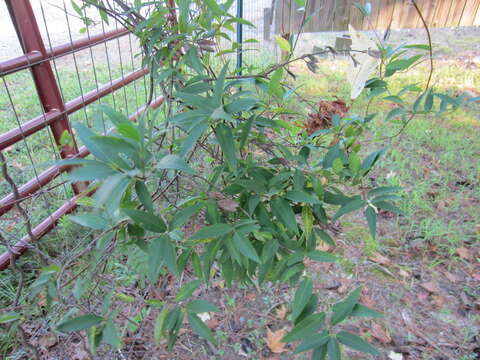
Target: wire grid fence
79, 74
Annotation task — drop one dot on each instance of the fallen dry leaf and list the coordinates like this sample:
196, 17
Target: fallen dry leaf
439, 300
212, 324
48, 340
465, 253
274, 342
251, 296
450, 276
422, 295
227, 205
380, 334
380, 259
431, 286
282, 312
345, 284
366, 300
403, 273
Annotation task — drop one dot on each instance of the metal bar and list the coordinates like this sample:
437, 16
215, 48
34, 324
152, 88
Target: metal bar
47, 87
35, 57
50, 117
48, 224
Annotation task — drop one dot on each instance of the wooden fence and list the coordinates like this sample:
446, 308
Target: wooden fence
335, 15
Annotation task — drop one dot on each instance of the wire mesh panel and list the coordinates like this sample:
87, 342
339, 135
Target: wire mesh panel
53, 70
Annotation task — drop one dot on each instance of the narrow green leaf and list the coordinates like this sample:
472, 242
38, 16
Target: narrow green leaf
224, 136
356, 342
333, 349
243, 244
305, 328
110, 335
283, 211
182, 215
371, 216
301, 196
302, 296
322, 256
187, 290
167, 252
144, 196
201, 306
199, 327
79, 323
356, 203
283, 44
362, 311
174, 162
313, 342
344, 308
212, 231
149, 221
92, 221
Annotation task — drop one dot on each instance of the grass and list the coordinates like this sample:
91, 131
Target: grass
435, 159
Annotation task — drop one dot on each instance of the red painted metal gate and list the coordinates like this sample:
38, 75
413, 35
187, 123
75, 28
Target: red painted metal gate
55, 111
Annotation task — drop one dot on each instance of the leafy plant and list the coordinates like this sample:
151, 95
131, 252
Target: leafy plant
220, 182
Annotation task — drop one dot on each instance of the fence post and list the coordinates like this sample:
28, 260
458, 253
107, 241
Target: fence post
239, 36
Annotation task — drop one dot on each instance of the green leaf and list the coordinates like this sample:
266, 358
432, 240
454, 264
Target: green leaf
302, 296
92, 221
322, 256
110, 335
356, 203
325, 237
174, 162
116, 184
167, 252
216, 9
313, 342
199, 327
243, 244
371, 216
79, 323
354, 163
320, 353
201, 306
182, 215
301, 196
283, 44
144, 196
91, 171
219, 88
356, 342
305, 328
388, 206
187, 290
9, 317
362, 311
149, 221
400, 64
383, 190
399, 111
274, 85
212, 231
344, 308
283, 211
193, 60
333, 349
158, 330
224, 137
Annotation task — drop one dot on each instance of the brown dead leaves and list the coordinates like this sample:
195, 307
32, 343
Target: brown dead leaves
274, 342
326, 111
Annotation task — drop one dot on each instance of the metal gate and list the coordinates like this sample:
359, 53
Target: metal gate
44, 64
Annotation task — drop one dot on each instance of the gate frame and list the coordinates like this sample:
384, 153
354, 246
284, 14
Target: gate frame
55, 111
